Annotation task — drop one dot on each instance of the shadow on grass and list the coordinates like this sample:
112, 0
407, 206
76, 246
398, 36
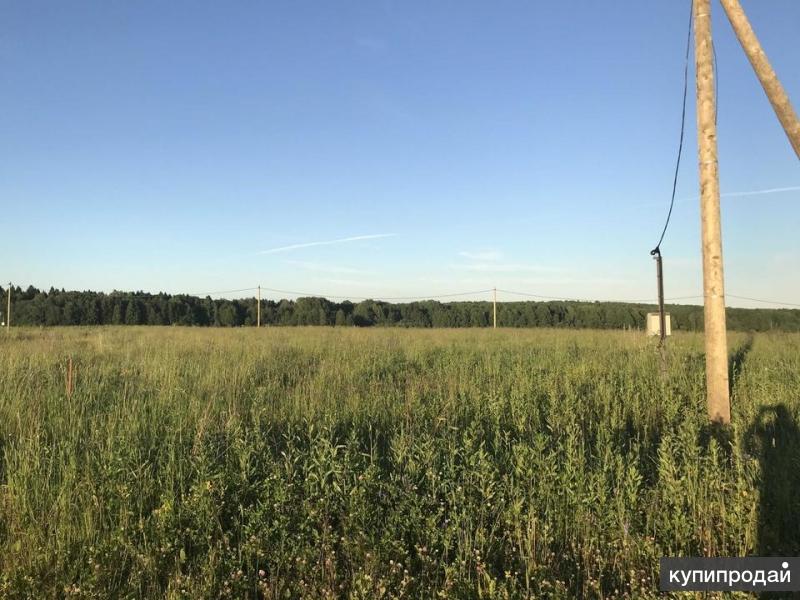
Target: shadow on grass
736, 361
723, 434
774, 438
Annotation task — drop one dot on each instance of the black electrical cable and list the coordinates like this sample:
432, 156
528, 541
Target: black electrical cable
761, 300
657, 249
219, 293
377, 298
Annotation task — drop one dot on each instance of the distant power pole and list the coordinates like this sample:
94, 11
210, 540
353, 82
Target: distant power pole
8, 310
494, 309
662, 318
258, 308
764, 71
716, 342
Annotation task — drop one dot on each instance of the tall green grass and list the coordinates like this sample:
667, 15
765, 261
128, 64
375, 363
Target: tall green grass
328, 463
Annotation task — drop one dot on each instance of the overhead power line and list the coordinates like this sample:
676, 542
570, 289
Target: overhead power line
321, 295
538, 296
453, 295
761, 300
204, 294
563, 299
655, 301
657, 249
542, 297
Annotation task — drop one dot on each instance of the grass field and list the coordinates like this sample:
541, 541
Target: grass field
326, 462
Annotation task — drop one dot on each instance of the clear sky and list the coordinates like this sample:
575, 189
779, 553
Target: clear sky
529, 145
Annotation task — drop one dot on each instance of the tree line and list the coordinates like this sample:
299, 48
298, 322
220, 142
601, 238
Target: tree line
59, 307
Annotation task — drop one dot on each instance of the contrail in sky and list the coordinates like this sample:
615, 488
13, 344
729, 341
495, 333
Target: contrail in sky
357, 238
794, 188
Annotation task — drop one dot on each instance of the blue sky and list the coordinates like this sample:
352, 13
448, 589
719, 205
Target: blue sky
440, 147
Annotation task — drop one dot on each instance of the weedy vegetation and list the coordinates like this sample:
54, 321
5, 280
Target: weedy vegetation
344, 463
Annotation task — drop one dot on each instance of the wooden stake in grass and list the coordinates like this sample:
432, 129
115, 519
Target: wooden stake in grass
716, 343
764, 71
8, 311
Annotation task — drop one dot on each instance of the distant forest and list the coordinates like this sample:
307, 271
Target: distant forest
58, 307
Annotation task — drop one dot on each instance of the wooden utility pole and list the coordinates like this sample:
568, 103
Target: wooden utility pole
8, 310
258, 308
766, 75
716, 343
662, 318
494, 308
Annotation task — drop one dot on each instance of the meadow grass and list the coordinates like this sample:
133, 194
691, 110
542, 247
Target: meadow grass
383, 463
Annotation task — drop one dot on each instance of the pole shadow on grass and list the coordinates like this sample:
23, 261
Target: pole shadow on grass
774, 437
722, 433
736, 361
